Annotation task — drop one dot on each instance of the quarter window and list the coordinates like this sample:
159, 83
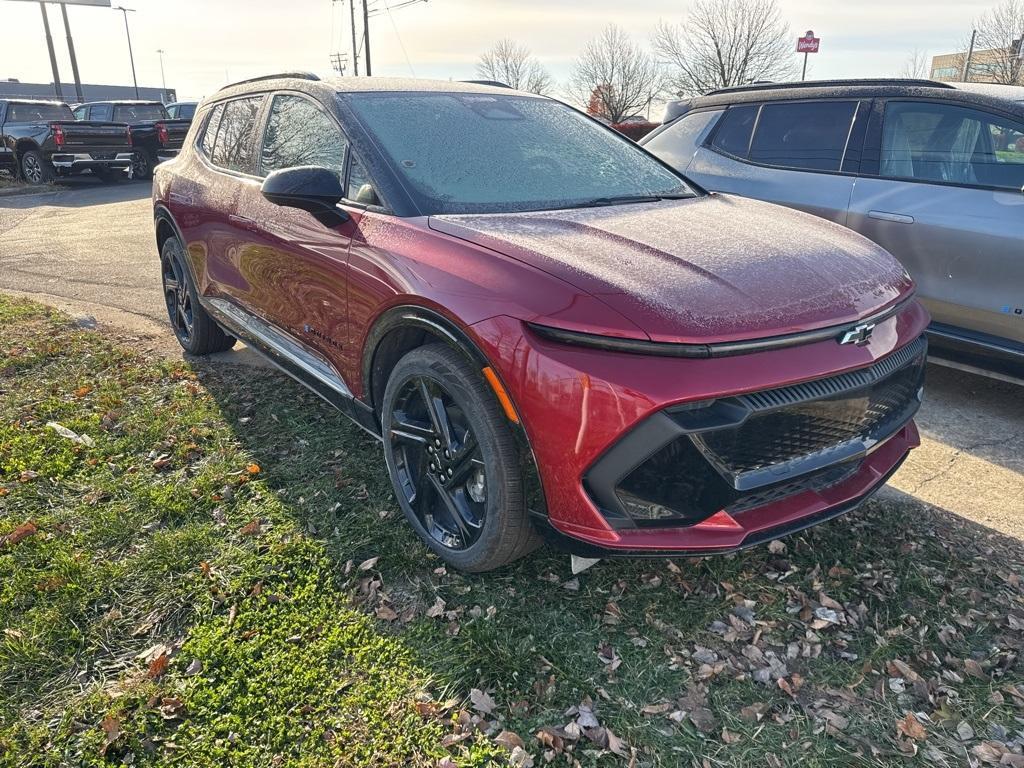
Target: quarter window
234, 145
677, 143
210, 133
950, 144
803, 135
733, 134
300, 133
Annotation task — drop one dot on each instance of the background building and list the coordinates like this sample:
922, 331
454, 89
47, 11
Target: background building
994, 65
14, 89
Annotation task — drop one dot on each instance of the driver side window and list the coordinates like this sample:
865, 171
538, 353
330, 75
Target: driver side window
300, 133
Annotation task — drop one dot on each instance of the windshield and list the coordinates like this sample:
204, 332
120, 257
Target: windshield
27, 113
135, 113
479, 153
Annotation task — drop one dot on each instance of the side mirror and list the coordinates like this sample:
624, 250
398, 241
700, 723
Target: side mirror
310, 188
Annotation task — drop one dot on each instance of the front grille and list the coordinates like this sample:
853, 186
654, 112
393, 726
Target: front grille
739, 453
781, 440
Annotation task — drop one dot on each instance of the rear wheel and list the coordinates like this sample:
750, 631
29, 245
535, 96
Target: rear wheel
35, 169
142, 165
453, 461
196, 331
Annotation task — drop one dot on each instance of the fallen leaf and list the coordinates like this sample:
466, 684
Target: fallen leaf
194, 668
703, 719
23, 531
68, 434
250, 529
911, 727
482, 701
387, 613
253, 469
158, 666
777, 547
656, 709
111, 732
368, 564
754, 712
82, 391
172, 709
964, 731
973, 668
520, 758
509, 740
436, 609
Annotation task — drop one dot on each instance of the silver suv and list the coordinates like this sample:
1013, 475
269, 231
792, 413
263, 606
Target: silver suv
933, 172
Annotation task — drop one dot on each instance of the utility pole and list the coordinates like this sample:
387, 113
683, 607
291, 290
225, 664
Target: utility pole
355, 50
131, 56
71, 53
338, 63
966, 74
366, 34
53, 55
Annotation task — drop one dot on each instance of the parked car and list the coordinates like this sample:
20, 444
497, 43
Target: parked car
933, 172
156, 137
41, 140
182, 109
550, 330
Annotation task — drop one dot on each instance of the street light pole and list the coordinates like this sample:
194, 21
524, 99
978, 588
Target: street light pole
131, 56
53, 55
163, 80
71, 53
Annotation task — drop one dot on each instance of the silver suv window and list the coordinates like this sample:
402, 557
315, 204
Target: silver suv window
932, 142
808, 135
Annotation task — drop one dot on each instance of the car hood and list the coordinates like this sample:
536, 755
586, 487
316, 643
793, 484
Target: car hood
706, 269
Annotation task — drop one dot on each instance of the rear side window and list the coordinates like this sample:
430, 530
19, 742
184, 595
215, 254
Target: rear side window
300, 133
29, 113
677, 143
210, 132
185, 111
234, 145
808, 135
101, 112
953, 145
733, 134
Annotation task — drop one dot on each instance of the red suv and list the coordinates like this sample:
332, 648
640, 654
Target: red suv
551, 331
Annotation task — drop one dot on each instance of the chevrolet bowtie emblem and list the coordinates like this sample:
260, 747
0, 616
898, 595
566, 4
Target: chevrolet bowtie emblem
859, 334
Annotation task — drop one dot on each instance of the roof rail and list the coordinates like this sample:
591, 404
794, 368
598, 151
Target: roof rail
495, 83
877, 81
277, 76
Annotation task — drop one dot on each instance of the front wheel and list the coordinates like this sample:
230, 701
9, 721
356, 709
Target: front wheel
453, 461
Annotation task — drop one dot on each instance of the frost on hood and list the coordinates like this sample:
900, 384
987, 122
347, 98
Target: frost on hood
715, 265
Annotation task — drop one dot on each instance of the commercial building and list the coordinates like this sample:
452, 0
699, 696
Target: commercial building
992, 65
15, 89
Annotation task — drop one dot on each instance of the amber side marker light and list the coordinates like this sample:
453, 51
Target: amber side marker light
503, 398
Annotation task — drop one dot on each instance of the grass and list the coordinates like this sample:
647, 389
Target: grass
223, 578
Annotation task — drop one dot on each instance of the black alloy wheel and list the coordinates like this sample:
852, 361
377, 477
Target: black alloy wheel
439, 464
142, 165
453, 460
177, 297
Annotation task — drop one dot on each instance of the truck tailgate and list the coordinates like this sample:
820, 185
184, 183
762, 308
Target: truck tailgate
176, 132
92, 136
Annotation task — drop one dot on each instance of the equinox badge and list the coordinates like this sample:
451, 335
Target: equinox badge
858, 335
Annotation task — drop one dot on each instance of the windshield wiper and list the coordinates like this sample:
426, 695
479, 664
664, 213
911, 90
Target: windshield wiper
624, 199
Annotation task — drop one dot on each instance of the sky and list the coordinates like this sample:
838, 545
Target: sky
208, 43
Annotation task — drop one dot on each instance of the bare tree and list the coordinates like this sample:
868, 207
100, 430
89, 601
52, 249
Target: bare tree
916, 66
726, 42
615, 78
997, 45
511, 63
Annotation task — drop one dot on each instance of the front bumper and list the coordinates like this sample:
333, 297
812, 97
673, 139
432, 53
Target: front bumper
66, 162
600, 424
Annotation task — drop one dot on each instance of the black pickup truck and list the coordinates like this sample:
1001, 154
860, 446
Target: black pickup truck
41, 139
155, 136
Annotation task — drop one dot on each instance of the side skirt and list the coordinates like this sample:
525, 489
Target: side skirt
294, 358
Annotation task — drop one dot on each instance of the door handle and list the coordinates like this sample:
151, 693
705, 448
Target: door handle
899, 218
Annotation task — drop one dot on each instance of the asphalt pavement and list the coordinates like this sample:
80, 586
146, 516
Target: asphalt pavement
88, 249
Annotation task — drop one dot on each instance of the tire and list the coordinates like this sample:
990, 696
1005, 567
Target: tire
142, 165
35, 169
454, 466
195, 330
